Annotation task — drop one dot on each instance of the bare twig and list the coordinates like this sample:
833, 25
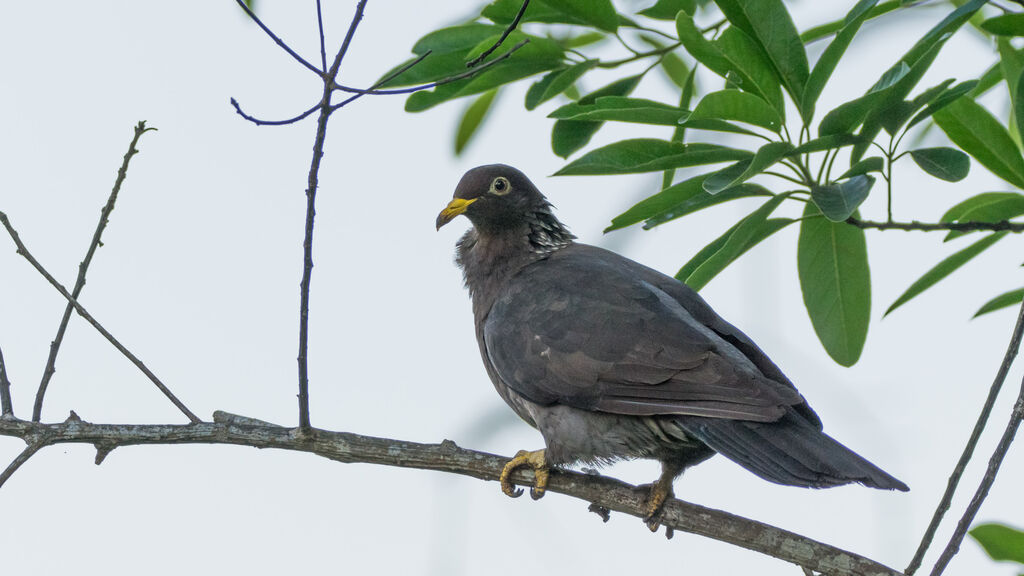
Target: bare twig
20, 459
604, 491
51, 361
372, 91
6, 406
23, 251
969, 226
278, 40
504, 35
258, 122
958, 471
320, 29
994, 462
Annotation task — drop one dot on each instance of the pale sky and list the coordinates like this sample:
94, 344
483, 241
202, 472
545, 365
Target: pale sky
199, 277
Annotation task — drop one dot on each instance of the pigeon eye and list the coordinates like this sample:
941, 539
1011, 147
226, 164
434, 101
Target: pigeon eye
500, 186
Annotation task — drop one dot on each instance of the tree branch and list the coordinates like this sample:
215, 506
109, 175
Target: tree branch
969, 226
258, 122
51, 361
6, 406
277, 40
994, 462
958, 471
605, 492
504, 35
23, 251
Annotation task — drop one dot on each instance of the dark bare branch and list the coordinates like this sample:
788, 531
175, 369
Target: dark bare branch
276, 39
6, 406
508, 30
994, 462
320, 29
23, 251
258, 122
430, 85
979, 427
603, 491
83, 268
970, 226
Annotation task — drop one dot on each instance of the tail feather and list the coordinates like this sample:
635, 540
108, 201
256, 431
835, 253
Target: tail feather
789, 451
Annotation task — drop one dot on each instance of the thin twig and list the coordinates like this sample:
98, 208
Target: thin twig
508, 30
259, 122
278, 40
20, 459
972, 442
372, 91
320, 28
6, 406
23, 251
604, 491
994, 462
968, 226
51, 361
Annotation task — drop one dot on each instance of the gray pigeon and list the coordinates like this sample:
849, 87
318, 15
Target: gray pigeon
613, 360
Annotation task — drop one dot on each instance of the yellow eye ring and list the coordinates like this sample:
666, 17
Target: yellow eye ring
500, 186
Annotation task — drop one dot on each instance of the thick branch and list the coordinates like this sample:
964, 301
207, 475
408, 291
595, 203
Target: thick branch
23, 251
603, 491
83, 268
958, 471
970, 226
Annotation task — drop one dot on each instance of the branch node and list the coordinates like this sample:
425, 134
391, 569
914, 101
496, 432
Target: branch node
102, 451
72, 418
601, 511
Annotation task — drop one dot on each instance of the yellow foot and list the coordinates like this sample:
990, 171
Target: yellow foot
541, 472
661, 491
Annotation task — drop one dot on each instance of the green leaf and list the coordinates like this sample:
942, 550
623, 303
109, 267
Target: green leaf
945, 268
1005, 25
769, 24
449, 48
555, 82
1000, 542
539, 55
947, 164
748, 168
703, 200
1018, 103
585, 39
678, 200
828, 60
846, 117
667, 9
739, 106
832, 262
675, 69
830, 142
823, 30
919, 58
744, 236
504, 11
736, 55
648, 155
622, 109
873, 164
984, 207
472, 119
679, 133
599, 13
568, 136
1004, 300
840, 200
978, 133
945, 99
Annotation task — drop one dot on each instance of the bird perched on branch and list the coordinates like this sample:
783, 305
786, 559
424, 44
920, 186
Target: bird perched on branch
612, 360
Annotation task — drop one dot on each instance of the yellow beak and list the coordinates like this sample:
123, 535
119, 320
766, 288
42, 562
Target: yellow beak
453, 209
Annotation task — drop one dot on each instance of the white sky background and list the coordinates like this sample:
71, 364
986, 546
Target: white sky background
199, 276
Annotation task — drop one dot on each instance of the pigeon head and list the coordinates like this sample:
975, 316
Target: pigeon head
494, 197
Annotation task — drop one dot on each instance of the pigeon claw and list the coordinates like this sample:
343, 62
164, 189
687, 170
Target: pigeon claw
661, 491
541, 473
